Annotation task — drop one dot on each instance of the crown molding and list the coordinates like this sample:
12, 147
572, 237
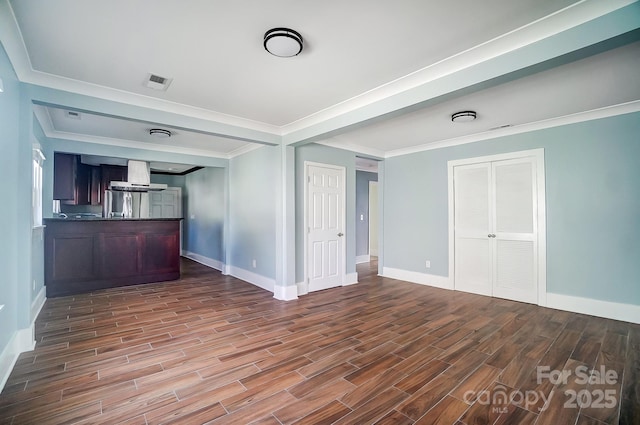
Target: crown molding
560, 21
43, 117
569, 17
605, 112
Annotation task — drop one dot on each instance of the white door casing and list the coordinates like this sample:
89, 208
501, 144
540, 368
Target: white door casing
497, 226
324, 223
373, 219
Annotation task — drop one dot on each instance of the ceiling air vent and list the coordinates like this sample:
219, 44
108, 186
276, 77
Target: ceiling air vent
73, 115
157, 82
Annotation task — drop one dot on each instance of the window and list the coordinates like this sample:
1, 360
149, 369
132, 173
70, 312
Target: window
36, 198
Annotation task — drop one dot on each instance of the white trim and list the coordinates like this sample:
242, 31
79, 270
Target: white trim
350, 279
594, 114
285, 293
305, 230
442, 282
352, 147
206, 261
253, 278
38, 303
538, 155
373, 250
21, 341
363, 259
50, 132
303, 288
548, 26
593, 307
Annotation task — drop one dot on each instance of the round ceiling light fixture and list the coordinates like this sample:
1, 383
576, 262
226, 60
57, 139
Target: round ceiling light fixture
159, 132
283, 42
463, 116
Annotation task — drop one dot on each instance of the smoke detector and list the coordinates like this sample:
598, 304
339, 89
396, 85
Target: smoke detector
157, 82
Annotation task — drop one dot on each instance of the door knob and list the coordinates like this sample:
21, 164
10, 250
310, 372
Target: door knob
491, 235
340, 234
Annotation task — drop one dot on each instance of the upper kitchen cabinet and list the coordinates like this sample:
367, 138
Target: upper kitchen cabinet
113, 173
64, 176
76, 183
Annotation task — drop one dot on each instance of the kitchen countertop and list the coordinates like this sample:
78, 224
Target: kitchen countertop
72, 217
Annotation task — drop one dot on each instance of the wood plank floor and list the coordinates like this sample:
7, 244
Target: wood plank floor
212, 349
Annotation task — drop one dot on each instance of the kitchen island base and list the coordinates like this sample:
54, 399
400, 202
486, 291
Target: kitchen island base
86, 255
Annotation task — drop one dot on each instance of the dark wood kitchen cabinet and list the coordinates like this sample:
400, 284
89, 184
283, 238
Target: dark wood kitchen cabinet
86, 255
95, 186
64, 176
112, 173
75, 183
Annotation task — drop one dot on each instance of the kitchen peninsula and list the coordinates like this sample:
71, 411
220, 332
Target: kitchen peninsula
82, 255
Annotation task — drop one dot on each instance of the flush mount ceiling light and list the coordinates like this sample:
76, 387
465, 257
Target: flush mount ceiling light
159, 132
282, 42
463, 116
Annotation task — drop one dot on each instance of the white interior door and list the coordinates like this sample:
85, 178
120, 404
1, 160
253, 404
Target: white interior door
472, 226
325, 226
515, 241
495, 229
166, 203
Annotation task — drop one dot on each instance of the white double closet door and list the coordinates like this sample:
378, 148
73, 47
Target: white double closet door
496, 229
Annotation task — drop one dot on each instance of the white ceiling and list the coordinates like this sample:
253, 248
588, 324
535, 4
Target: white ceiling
212, 49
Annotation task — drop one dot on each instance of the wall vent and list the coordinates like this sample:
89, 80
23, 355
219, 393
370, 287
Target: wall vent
157, 82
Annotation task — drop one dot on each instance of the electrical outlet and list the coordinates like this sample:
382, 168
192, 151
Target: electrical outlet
428, 264
193, 216
253, 263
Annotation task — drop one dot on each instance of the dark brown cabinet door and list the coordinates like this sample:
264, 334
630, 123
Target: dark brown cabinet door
70, 257
64, 176
95, 186
83, 186
112, 173
161, 253
120, 255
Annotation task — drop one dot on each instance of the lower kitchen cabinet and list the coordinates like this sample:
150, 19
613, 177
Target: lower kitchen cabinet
85, 255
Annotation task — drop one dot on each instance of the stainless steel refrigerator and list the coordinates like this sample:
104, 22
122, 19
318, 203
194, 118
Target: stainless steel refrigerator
122, 204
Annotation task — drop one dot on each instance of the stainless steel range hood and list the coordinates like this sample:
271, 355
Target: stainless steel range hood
138, 180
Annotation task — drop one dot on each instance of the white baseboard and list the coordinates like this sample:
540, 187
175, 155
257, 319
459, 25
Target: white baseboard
608, 309
22, 340
285, 293
442, 282
363, 259
38, 303
253, 278
303, 288
350, 279
206, 261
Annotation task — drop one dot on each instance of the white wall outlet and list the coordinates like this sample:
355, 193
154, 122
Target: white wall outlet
361, 217
193, 217
427, 264
253, 263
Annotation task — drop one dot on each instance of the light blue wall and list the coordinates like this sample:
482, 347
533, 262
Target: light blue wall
253, 185
204, 212
332, 156
362, 210
593, 206
9, 216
